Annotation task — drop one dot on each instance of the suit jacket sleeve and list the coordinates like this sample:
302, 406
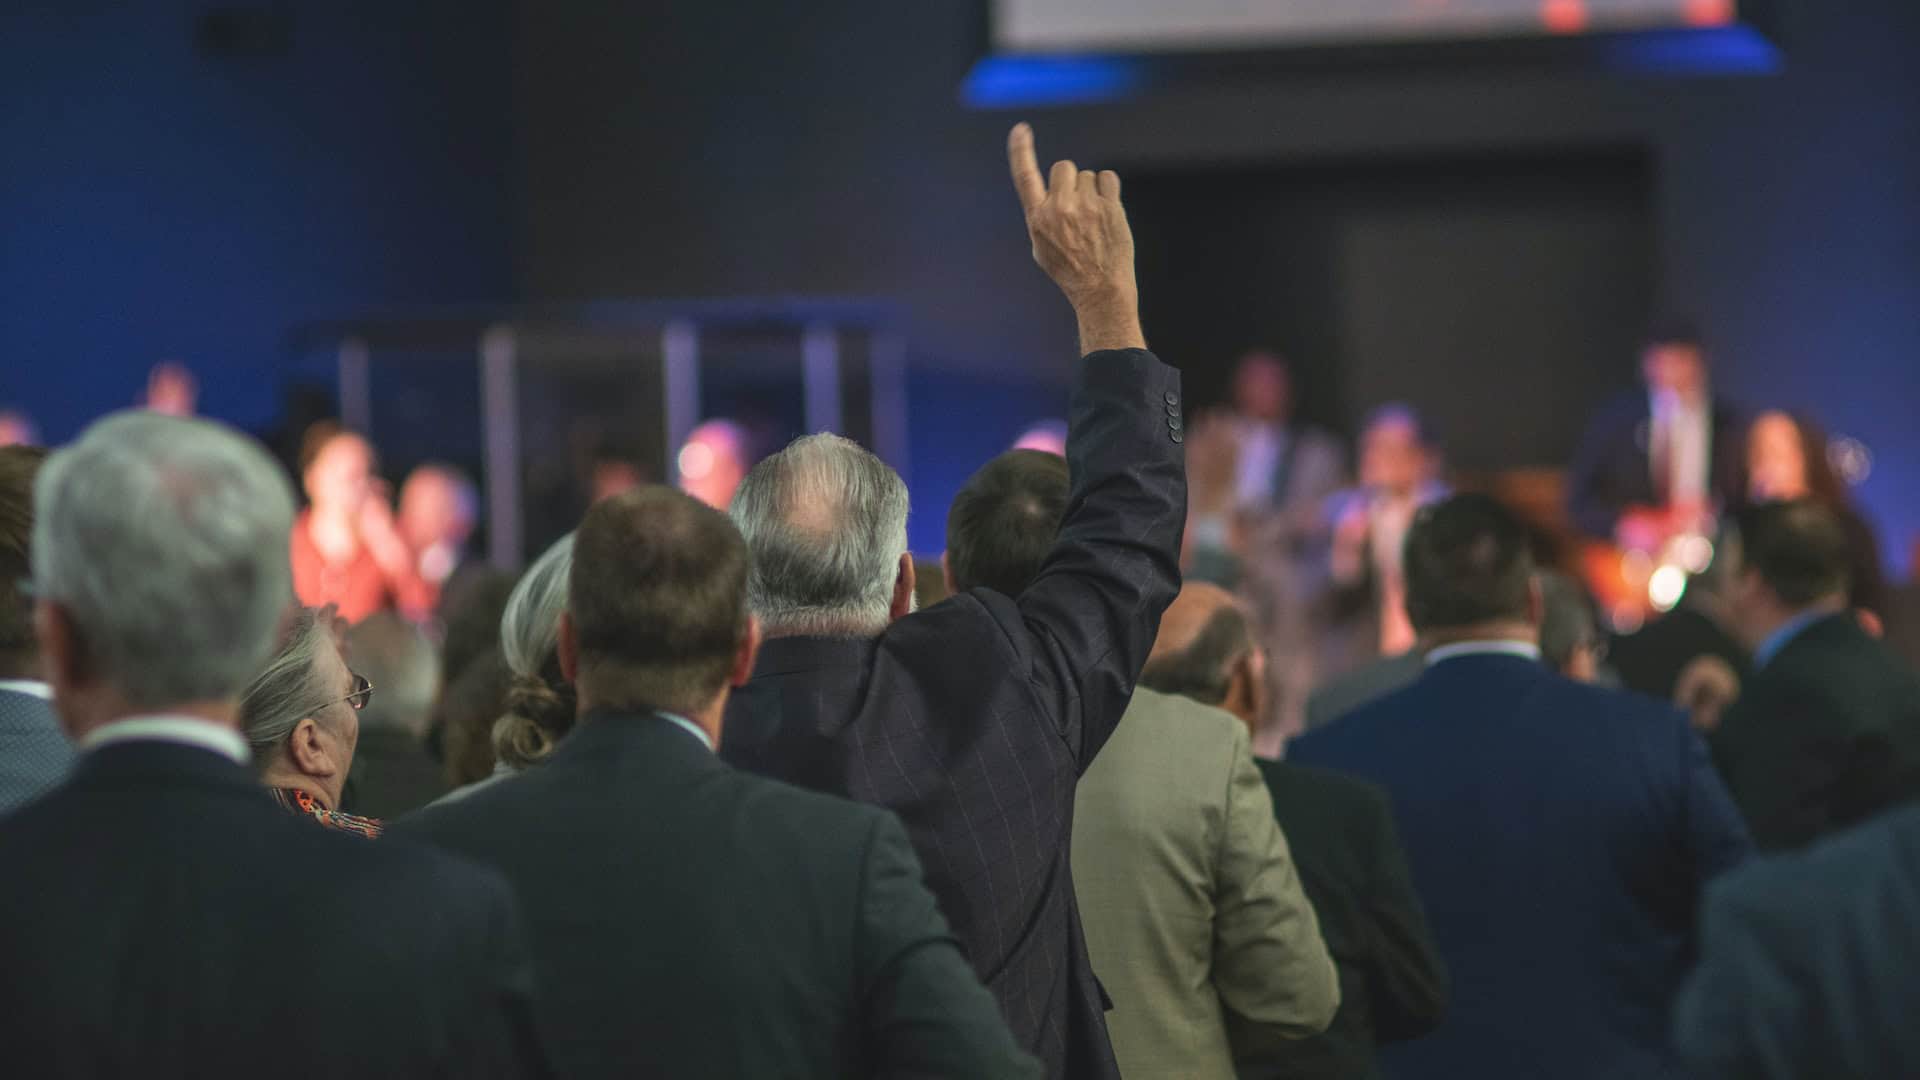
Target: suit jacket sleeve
500, 1026
1094, 608
1718, 837
926, 1014
1270, 964
1742, 1013
1406, 979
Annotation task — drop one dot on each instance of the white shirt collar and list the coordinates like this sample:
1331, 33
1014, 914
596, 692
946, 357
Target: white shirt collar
184, 730
1524, 649
32, 687
691, 728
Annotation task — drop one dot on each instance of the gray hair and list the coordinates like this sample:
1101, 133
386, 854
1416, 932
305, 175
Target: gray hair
287, 690
826, 524
400, 663
530, 626
165, 541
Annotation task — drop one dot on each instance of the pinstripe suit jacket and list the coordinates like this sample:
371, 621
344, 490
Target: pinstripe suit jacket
34, 753
974, 719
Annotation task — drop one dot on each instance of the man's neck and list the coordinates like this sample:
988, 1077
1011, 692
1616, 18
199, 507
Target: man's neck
281, 775
89, 711
1497, 631
1760, 630
707, 719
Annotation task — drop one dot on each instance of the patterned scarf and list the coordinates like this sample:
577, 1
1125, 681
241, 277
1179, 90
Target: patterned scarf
295, 801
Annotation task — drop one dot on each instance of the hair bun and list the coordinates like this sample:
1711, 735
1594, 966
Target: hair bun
538, 715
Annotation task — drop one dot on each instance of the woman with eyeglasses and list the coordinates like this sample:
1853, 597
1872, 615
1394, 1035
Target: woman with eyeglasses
299, 718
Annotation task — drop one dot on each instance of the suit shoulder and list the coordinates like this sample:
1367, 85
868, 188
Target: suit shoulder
1192, 721
1326, 786
1857, 868
963, 620
817, 819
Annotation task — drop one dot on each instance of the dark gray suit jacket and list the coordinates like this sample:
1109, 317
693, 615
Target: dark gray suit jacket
689, 919
34, 752
974, 719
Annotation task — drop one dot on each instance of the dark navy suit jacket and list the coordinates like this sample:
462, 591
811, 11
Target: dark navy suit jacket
1807, 963
974, 719
1560, 836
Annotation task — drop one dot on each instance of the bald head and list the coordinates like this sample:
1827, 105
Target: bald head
1206, 652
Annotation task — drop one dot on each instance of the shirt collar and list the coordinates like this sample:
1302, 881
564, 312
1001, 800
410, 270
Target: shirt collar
690, 727
184, 730
1526, 650
1784, 636
32, 687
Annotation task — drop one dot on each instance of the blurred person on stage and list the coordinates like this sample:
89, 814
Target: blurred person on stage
171, 390
1261, 483
1788, 457
347, 552
712, 462
17, 429
300, 716
439, 507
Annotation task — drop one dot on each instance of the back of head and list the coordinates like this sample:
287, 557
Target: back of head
19, 655
401, 665
1567, 621
826, 522
540, 704
658, 601
1202, 669
1468, 562
287, 689
1003, 522
1797, 548
164, 541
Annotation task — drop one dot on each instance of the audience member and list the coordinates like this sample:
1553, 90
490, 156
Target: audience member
470, 708
1659, 462
1399, 473
1282, 473
712, 462
347, 552
973, 720
1657, 659
439, 508
171, 390
299, 716
1827, 730
392, 772
17, 429
470, 619
158, 915
929, 581
1807, 960
540, 704
688, 919
1559, 834
1569, 629
1787, 458
1340, 830
1190, 900
34, 753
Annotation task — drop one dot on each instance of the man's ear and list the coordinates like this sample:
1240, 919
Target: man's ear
308, 753
567, 645
946, 573
746, 654
902, 588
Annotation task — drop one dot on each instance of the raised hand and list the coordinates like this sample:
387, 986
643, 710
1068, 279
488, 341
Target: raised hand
1081, 239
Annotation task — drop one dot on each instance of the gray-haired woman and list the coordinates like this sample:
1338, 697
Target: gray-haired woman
299, 717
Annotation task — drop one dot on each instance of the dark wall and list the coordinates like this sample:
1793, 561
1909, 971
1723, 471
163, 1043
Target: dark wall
163, 200
693, 148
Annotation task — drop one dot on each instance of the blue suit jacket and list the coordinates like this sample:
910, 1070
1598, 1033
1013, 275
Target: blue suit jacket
1560, 836
1807, 962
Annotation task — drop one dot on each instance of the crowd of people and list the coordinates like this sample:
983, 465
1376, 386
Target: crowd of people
728, 784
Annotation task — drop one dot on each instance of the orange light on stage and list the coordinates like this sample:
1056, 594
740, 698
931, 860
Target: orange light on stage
1564, 16
1709, 12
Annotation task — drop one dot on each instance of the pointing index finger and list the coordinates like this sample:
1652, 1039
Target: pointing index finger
1026, 170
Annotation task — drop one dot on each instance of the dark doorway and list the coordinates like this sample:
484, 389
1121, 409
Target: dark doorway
1503, 295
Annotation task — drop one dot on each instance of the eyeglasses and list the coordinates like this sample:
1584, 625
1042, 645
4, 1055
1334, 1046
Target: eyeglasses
362, 693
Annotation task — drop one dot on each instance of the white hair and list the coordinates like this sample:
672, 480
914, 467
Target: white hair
530, 626
288, 689
165, 541
826, 524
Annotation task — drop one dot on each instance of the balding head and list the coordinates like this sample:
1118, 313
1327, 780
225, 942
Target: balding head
1206, 651
826, 522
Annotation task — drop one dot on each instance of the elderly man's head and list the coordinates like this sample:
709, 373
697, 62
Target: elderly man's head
160, 566
19, 654
826, 522
1206, 651
392, 654
300, 714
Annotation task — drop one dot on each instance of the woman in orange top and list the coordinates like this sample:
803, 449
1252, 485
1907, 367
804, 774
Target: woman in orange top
346, 551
